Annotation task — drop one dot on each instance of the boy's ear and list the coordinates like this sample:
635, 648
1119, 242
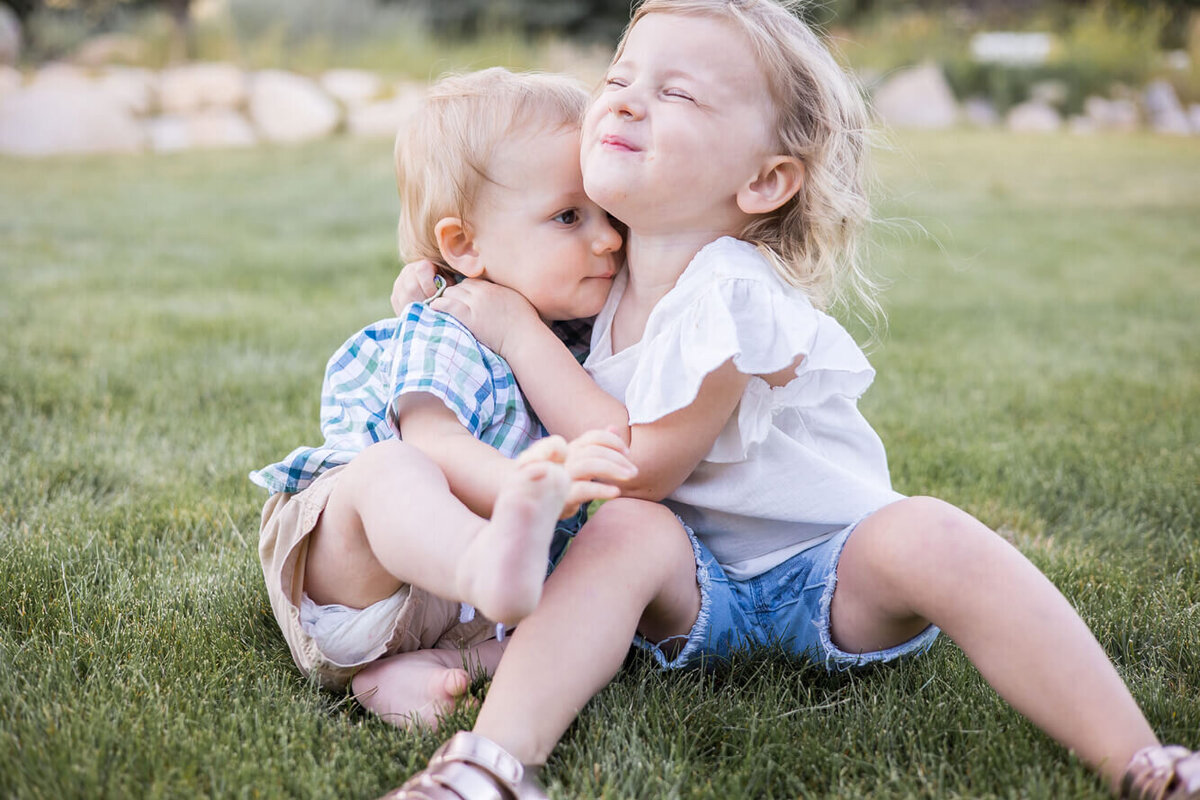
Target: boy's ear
457, 247
779, 181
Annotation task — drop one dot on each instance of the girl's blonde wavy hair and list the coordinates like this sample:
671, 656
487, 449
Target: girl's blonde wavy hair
814, 239
443, 157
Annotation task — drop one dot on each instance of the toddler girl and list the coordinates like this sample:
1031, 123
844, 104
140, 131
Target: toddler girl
731, 144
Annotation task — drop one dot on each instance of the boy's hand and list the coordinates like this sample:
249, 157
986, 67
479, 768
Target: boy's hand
489, 311
413, 284
594, 461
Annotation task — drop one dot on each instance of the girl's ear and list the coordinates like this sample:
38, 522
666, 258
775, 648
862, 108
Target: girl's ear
778, 182
457, 247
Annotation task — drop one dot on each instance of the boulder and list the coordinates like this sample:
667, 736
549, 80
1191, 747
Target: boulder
1112, 115
286, 107
1033, 117
136, 89
48, 120
221, 127
383, 119
1164, 112
168, 133
917, 97
352, 87
1194, 117
192, 87
980, 112
109, 48
10, 36
213, 128
10, 79
58, 75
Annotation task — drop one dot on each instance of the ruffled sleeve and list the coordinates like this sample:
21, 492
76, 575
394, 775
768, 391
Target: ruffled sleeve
730, 305
437, 355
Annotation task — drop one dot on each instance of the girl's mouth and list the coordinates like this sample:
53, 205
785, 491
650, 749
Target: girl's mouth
611, 142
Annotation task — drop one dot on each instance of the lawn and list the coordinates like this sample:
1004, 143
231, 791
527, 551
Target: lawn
166, 322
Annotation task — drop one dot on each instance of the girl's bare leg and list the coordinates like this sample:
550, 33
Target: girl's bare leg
921, 560
630, 569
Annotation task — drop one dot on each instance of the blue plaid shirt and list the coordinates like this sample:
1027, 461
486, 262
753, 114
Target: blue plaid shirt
421, 351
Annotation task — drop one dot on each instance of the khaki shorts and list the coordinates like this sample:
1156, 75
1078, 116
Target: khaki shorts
423, 620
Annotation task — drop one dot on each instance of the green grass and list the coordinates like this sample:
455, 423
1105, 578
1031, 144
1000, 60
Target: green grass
166, 321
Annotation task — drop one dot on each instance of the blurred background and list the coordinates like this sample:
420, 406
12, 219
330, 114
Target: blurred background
176, 74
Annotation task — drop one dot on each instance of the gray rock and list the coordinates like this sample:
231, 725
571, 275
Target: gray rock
1082, 125
212, 128
48, 120
168, 133
1194, 117
109, 48
192, 87
285, 107
917, 97
980, 112
136, 89
58, 75
222, 127
10, 79
1163, 109
1049, 93
353, 87
1033, 118
10, 36
385, 118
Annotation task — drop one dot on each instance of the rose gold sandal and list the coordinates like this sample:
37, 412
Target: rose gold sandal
470, 767
1162, 773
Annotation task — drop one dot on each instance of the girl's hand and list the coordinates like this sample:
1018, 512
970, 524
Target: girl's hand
489, 310
593, 461
414, 283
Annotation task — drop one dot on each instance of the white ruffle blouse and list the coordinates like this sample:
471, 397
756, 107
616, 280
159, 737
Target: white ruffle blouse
794, 464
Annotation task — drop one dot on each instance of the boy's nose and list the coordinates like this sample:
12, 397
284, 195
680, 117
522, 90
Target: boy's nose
607, 240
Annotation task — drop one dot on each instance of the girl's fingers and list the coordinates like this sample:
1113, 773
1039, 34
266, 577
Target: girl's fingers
587, 491
605, 466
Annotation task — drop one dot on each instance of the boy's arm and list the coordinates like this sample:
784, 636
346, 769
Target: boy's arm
569, 402
475, 471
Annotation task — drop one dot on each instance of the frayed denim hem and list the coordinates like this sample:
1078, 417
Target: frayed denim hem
837, 659
700, 628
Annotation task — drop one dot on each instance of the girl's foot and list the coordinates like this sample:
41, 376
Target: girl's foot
467, 767
1162, 773
413, 688
502, 570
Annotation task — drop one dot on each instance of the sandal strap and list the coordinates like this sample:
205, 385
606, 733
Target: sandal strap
470, 767
1159, 773
483, 753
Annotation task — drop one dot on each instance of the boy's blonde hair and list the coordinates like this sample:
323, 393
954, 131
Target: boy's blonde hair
813, 240
443, 157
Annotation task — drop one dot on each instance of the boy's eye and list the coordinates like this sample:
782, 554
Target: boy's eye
567, 217
682, 95
612, 83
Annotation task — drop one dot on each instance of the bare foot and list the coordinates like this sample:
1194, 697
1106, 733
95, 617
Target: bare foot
502, 570
416, 686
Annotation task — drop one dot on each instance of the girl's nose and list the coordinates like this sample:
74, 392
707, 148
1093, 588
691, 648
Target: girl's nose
624, 103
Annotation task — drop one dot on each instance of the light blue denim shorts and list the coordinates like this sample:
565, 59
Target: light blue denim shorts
786, 606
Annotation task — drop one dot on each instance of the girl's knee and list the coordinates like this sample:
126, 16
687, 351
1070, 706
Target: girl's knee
640, 524
920, 530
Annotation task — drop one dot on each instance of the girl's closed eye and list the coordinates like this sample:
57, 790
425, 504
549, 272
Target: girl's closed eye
679, 94
568, 216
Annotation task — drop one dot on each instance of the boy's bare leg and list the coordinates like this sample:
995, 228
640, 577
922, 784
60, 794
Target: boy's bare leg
392, 520
921, 560
420, 685
631, 568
